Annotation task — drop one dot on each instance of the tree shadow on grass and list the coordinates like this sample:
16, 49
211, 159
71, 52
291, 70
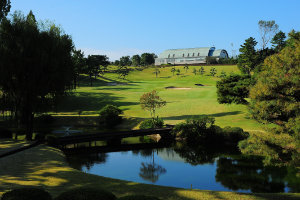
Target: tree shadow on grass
46, 167
222, 114
84, 101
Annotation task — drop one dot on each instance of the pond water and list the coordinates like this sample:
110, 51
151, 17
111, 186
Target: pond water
186, 167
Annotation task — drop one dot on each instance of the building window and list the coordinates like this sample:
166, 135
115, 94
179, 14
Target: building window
169, 56
193, 54
182, 55
173, 55
198, 54
188, 55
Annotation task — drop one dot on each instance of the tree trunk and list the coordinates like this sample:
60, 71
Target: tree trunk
91, 79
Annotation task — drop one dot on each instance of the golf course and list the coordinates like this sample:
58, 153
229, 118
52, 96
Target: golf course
187, 95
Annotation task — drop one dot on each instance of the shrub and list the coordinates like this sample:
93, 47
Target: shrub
109, 116
196, 130
152, 123
234, 134
86, 194
26, 194
138, 197
4, 133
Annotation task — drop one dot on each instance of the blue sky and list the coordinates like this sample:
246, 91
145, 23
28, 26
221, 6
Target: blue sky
126, 27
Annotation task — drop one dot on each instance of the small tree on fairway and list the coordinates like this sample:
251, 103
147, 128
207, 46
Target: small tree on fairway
178, 72
194, 71
201, 70
223, 74
123, 72
156, 71
151, 101
173, 70
186, 67
213, 71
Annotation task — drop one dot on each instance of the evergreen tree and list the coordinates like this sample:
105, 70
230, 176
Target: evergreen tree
247, 60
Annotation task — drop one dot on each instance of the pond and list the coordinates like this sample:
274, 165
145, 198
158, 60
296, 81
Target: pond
185, 167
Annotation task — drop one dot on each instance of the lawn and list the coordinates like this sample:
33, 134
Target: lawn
181, 103
46, 167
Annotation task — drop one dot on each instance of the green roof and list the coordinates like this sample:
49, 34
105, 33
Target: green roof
189, 52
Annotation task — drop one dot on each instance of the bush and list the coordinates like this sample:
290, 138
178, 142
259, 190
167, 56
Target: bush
197, 130
26, 194
86, 194
152, 123
4, 133
138, 197
234, 134
109, 116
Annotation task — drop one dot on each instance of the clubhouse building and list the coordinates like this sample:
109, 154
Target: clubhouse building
189, 55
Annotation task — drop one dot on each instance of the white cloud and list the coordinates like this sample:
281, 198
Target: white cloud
114, 54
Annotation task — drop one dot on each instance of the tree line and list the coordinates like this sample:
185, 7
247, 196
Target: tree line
269, 85
144, 59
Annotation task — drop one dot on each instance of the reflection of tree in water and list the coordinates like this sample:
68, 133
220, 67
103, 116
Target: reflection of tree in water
87, 160
197, 155
248, 173
150, 171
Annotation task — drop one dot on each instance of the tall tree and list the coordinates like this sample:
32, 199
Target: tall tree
125, 61
248, 58
35, 66
136, 60
147, 59
278, 41
79, 63
275, 97
267, 30
234, 89
94, 65
4, 8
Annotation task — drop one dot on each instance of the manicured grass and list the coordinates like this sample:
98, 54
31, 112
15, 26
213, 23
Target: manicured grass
46, 167
181, 104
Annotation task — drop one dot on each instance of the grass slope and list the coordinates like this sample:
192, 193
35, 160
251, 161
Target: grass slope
181, 104
45, 167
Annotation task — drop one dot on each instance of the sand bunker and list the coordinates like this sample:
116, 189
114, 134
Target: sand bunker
178, 88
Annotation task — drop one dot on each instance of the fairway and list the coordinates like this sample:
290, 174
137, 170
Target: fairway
184, 98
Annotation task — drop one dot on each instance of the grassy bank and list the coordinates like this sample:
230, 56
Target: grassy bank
45, 167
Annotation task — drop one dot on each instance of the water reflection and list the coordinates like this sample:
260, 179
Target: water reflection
151, 171
248, 173
223, 167
86, 160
